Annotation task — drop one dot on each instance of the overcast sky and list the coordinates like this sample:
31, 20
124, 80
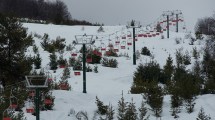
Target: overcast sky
115, 12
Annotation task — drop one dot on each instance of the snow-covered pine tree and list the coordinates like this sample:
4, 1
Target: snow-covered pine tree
143, 110
53, 61
102, 109
168, 68
122, 106
110, 113
66, 73
37, 61
131, 111
202, 116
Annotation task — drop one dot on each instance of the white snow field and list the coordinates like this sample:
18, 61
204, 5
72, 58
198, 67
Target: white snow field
109, 83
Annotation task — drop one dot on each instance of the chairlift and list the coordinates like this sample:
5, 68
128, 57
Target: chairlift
129, 42
149, 35
48, 99
117, 42
144, 35
36, 81
129, 35
123, 37
103, 47
89, 58
74, 53
116, 49
136, 39
123, 45
30, 107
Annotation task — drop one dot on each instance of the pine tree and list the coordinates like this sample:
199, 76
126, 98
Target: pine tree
35, 49
53, 61
122, 106
202, 116
102, 109
143, 110
179, 57
189, 104
61, 61
66, 73
19, 116
195, 53
14, 40
186, 58
154, 97
110, 113
131, 112
37, 61
168, 68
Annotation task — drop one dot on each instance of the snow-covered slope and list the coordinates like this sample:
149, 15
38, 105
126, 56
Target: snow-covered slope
109, 83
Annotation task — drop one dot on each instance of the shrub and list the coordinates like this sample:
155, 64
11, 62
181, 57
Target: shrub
177, 40
145, 51
61, 61
109, 62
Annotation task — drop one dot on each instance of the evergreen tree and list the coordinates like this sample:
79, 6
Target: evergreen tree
168, 68
195, 53
189, 104
186, 58
35, 49
122, 106
110, 113
61, 61
19, 116
53, 61
143, 110
176, 100
179, 57
154, 97
66, 73
202, 116
14, 40
146, 73
72, 61
37, 61
102, 109
131, 112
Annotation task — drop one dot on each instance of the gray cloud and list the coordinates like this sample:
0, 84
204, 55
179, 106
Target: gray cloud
114, 12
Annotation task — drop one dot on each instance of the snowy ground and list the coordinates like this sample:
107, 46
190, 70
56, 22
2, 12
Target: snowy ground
109, 83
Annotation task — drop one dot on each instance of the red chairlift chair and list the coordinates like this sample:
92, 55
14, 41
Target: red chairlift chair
89, 59
116, 50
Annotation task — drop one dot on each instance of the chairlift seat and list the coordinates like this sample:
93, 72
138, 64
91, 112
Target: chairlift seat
7, 118
77, 73
30, 110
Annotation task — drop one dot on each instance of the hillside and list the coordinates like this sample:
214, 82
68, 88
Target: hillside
109, 83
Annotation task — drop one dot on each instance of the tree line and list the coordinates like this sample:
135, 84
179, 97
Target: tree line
54, 12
